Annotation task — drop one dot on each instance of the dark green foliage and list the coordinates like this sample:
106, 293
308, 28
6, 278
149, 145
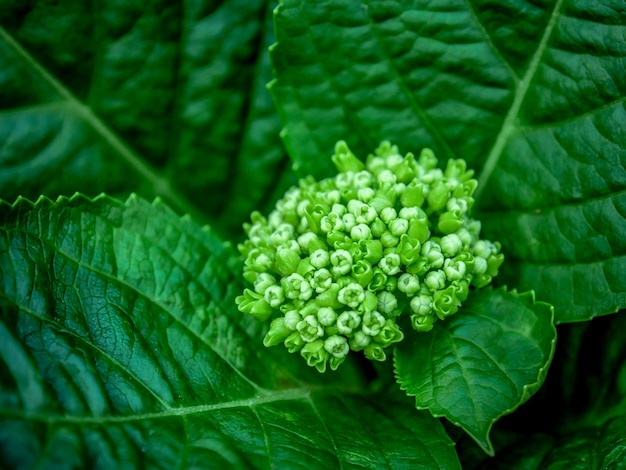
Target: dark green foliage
121, 345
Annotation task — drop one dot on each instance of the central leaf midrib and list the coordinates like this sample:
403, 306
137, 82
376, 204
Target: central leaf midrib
160, 184
417, 108
508, 125
296, 394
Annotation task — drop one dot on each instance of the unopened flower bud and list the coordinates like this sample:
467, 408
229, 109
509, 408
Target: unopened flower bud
399, 227
422, 323
315, 355
445, 303
348, 321
254, 304
345, 160
422, 304
454, 270
286, 261
309, 328
435, 280
337, 346
451, 221
359, 341
389, 334
387, 302
265, 280
438, 196
388, 215
390, 264
341, 261
374, 352
450, 245
274, 296
277, 333
352, 295
360, 232
326, 316
427, 159
408, 284
292, 318
320, 258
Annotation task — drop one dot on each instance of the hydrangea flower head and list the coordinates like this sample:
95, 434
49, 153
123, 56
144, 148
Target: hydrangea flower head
339, 260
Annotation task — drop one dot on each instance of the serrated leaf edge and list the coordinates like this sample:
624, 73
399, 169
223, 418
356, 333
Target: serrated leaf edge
529, 300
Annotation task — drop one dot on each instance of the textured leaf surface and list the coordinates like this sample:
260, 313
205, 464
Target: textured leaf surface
120, 346
592, 448
481, 363
167, 99
531, 94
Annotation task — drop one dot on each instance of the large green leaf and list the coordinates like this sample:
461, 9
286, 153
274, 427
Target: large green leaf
167, 99
121, 346
480, 364
531, 94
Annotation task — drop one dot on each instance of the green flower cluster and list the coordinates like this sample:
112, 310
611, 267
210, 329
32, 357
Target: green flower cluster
338, 260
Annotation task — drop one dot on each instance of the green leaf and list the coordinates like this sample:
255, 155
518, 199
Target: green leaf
591, 448
482, 363
167, 99
121, 346
530, 94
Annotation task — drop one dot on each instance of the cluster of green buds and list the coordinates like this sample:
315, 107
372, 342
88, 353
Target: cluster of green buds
338, 260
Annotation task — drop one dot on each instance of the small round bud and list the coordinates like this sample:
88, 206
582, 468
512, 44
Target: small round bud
435, 280
341, 261
451, 245
422, 323
337, 346
360, 232
389, 334
296, 287
422, 304
352, 295
480, 265
349, 220
286, 261
399, 227
390, 264
455, 270
309, 328
348, 321
315, 355
274, 295
338, 209
408, 283
292, 318
320, 258
387, 302
265, 280
374, 352
372, 323
277, 333
359, 341
388, 214
326, 316
386, 177
366, 194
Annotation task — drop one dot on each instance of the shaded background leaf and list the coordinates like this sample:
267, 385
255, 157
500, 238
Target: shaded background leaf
603, 446
531, 94
121, 346
166, 99
481, 363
